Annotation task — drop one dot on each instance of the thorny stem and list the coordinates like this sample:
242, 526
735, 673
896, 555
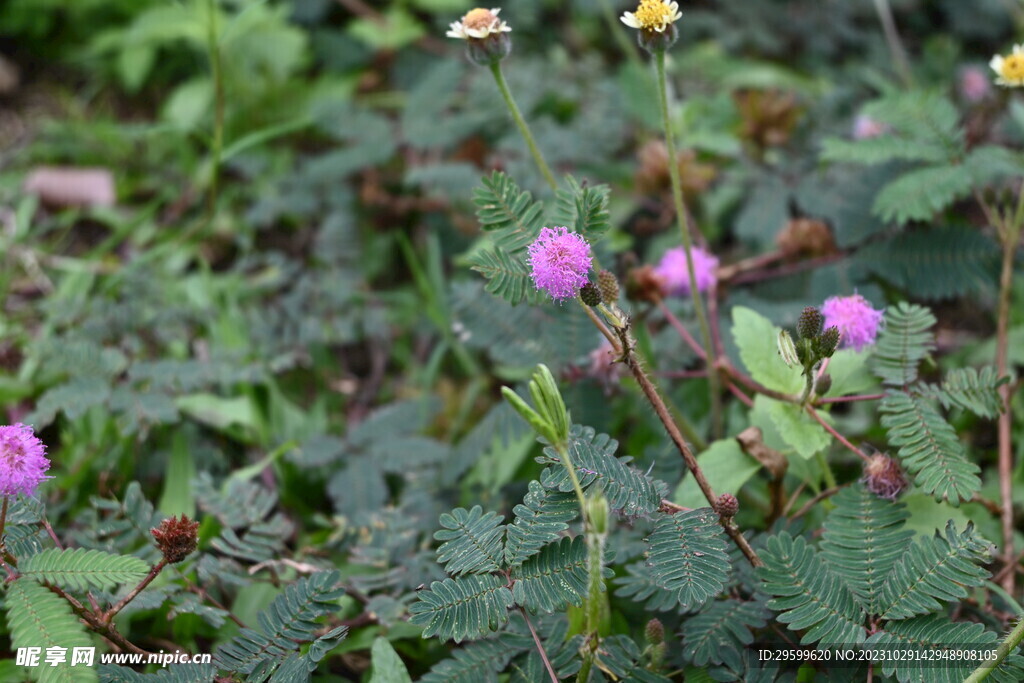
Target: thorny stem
106, 629
153, 573
1009, 229
839, 437
677, 197
1008, 645
651, 393
540, 647
517, 116
45, 523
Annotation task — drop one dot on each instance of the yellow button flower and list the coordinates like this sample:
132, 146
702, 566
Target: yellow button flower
652, 15
1009, 69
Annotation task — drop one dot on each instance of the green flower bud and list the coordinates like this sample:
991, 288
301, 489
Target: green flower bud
828, 342
609, 286
590, 294
810, 323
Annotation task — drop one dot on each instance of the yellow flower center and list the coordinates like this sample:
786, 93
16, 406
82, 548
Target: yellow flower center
1013, 67
479, 19
653, 14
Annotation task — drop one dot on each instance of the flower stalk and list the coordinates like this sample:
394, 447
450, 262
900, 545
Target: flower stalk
524, 129
677, 197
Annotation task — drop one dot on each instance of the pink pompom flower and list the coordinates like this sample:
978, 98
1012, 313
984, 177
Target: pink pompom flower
23, 460
672, 269
857, 321
559, 262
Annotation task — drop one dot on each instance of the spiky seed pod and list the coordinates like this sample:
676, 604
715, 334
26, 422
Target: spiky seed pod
590, 294
727, 505
828, 342
810, 323
609, 286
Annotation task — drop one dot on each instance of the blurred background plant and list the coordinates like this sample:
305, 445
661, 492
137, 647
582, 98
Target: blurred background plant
263, 314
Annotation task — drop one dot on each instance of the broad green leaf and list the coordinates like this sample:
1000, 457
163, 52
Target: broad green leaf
797, 428
727, 468
756, 338
849, 372
388, 667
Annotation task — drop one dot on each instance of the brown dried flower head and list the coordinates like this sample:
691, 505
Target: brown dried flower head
176, 538
769, 116
643, 284
884, 477
652, 173
803, 237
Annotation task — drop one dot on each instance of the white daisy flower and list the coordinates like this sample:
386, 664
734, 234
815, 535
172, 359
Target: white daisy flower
1009, 69
652, 15
478, 23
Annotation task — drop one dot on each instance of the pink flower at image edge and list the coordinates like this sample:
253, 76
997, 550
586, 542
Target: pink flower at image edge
23, 461
857, 321
672, 269
559, 262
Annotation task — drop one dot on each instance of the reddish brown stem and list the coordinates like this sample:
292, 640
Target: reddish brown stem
153, 573
681, 330
1004, 425
649, 390
839, 437
540, 648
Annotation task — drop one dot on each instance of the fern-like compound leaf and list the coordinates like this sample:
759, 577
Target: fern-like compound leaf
553, 578
626, 488
540, 519
929, 448
968, 388
932, 634
507, 274
179, 673
687, 556
289, 621
472, 541
511, 216
809, 594
903, 342
639, 584
479, 662
37, 617
939, 568
621, 657
719, 633
466, 607
582, 209
864, 537
918, 195
80, 569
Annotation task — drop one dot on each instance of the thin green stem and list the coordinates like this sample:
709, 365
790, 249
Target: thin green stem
677, 196
1008, 645
517, 116
3, 517
217, 143
892, 38
830, 478
628, 47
